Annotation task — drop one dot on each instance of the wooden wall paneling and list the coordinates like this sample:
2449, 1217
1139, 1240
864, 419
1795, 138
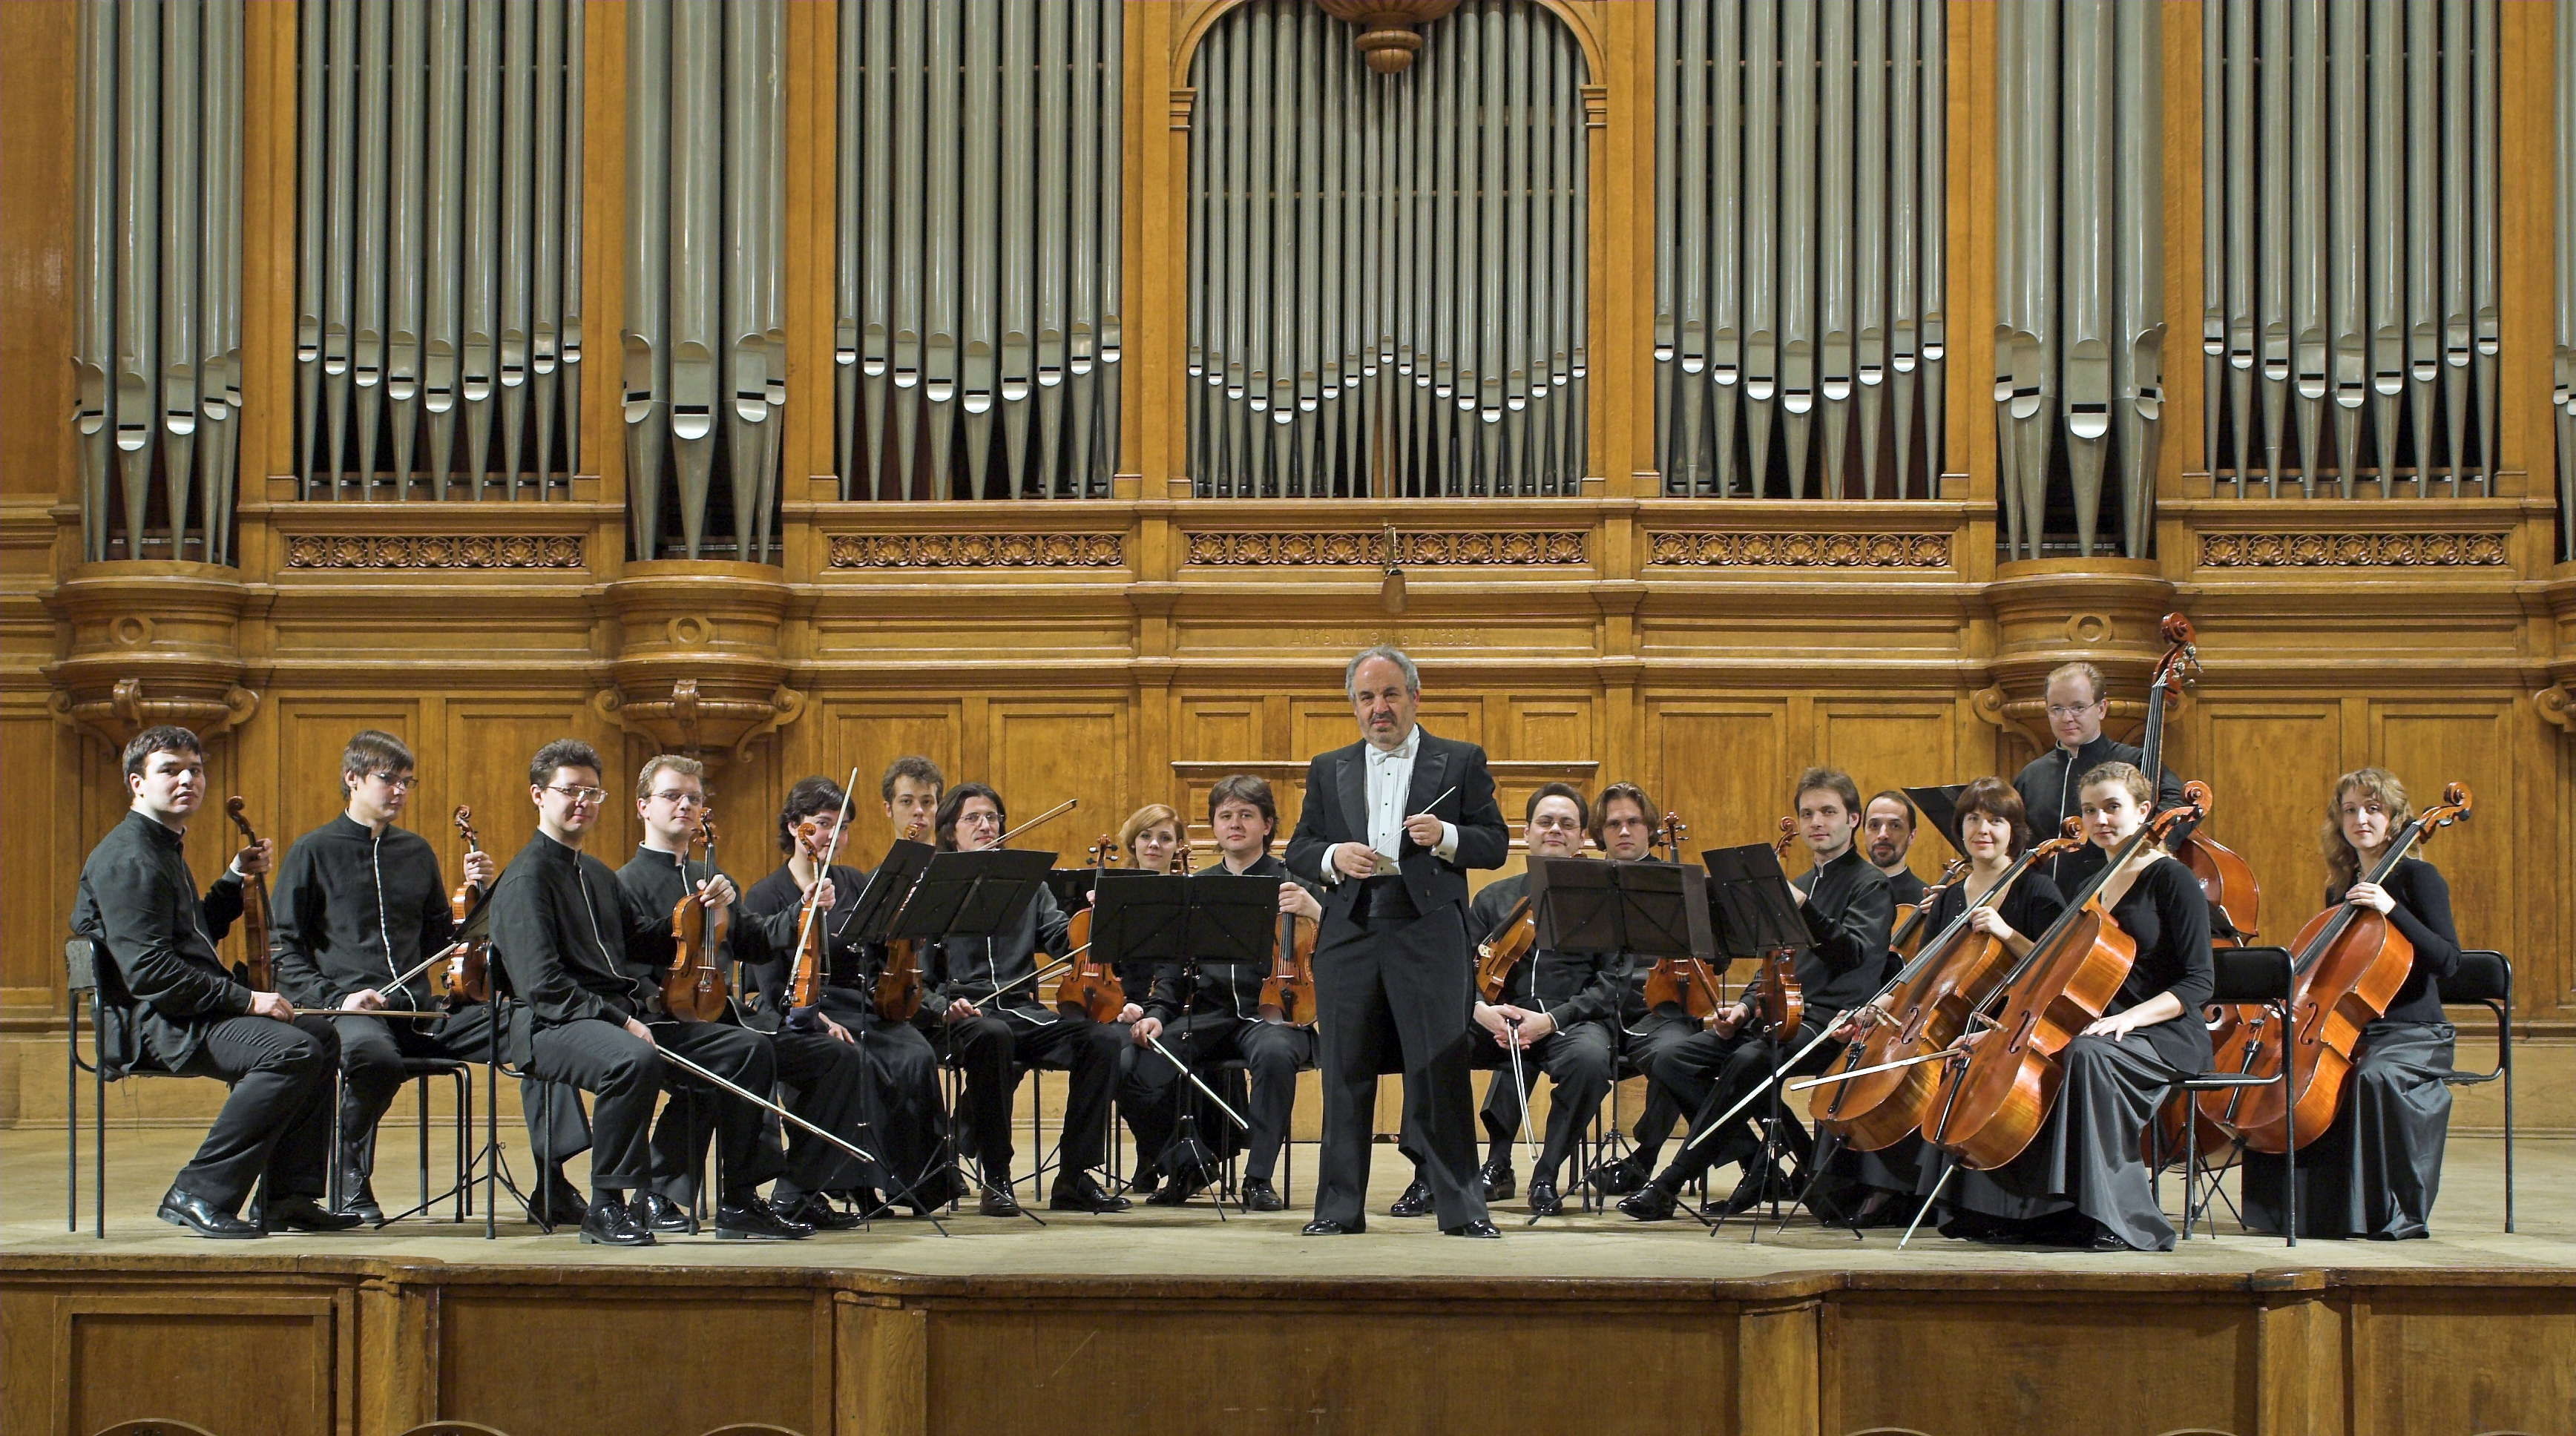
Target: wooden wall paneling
2429, 743
123, 1357
2526, 262
1549, 726
268, 199
2432, 1360
1216, 728
1968, 360
872, 734
1619, 331
2270, 764
1886, 743
1153, 246
34, 902
2182, 470
39, 54
1720, 763
488, 743
1043, 751
1319, 724
811, 250
882, 1351
592, 1371
311, 733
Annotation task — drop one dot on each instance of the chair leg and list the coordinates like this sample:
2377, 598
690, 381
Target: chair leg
422, 1088
71, 1118
98, 1115
2504, 1051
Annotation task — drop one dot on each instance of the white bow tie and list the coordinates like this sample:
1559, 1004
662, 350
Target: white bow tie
1383, 756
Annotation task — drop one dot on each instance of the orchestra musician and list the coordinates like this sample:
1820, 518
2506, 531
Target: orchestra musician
1219, 1017
359, 902
565, 930
1624, 828
1847, 908
818, 1059
994, 1018
177, 1006
1887, 835
1391, 824
2050, 784
2376, 1168
2081, 1181
899, 1104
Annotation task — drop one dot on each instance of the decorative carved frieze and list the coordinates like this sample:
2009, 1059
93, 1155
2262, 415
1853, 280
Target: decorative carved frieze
434, 551
985, 550
1721, 548
2459, 549
1359, 548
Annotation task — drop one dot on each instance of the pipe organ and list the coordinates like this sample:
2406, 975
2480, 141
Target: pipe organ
2348, 288
1386, 273
156, 324
1799, 254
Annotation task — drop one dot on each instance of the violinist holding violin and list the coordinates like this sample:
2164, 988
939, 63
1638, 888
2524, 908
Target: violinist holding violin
1849, 914
2374, 1171
1626, 831
359, 903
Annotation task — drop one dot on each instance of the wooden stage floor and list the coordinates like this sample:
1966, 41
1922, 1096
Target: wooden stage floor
1179, 1321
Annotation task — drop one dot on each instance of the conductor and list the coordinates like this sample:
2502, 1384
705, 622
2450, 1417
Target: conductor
1391, 824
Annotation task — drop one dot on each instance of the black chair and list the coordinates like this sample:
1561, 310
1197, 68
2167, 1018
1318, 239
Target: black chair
2485, 977
2245, 976
117, 1054
420, 1072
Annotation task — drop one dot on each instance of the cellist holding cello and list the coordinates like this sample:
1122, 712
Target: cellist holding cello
2374, 1171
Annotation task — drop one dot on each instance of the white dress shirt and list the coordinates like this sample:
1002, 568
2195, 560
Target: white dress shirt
1390, 779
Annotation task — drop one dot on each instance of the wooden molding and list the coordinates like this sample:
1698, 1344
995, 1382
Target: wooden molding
2456, 548
1801, 549
1360, 548
435, 551
979, 550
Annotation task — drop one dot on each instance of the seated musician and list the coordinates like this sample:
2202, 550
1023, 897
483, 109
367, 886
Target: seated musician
818, 1060
1218, 1016
2081, 1181
2049, 784
899, 1108
2375, 1169
1847, 909
1624, 827
1887, 835
179, 1007
358, 902
994, 1018
1992, 829
564, 931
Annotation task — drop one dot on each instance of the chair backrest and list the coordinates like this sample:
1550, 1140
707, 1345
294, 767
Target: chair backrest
155, 1426
89, 967
80, 965
455, 1428
2482, 976
2251, 974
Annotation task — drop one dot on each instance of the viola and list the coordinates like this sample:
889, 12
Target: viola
693, 990
1995, 1096
1685, 982
1927, 1007
467, 977
1776, 1001
898, 993
2348, 963
1089, 986
258, 972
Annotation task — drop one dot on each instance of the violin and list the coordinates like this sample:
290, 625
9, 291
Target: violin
1503, 950
468, 975
806, 969
694, 988
1774, 995
1685, 982
2349, 962
1927, 1007
1995, 1096
258, 972
898, 992
1289, 990
1089, 986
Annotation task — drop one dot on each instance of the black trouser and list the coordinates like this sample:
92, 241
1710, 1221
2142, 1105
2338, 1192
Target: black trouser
1274, 1053
985, 1047
372, 1050
1396, 984
275, 1128
625, 1074
1639, 1047
1708, 1074
1577, 1060
826, 1078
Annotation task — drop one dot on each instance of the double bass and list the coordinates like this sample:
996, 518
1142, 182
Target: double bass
1089, 986
693, 988
2348, 964
257, 969
1995, 1095
1684, 982
467, 978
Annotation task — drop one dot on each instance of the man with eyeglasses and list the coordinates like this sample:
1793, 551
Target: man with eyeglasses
817, 1061
1625, 829
358, 903
2048, 784
563, 931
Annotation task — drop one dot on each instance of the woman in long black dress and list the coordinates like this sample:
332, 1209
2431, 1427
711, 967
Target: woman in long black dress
2081, 1181
2375, 1170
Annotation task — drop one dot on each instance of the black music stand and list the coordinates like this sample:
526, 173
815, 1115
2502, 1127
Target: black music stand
1940, 807
977, 894
1752, 915
887, 887
1651, 909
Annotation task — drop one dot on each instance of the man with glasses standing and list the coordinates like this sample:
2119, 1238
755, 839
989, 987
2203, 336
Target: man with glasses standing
359, 902
561, 929
2048, 784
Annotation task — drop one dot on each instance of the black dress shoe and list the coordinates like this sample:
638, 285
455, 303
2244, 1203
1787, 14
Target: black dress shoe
1079, 1193
358, 1198
1544, 1202
1649, 1203
816, 1211
1619, 1178
997, 1201
1260, 1196
180, 1209
1416, 1201
753, 1220
1477, 1228
303, 1214
1147, 1180
1325, 1227
658, 1213
564, 1207
1174, 1193
1759, 1182
935, 1190
1497, 1180
613, 1224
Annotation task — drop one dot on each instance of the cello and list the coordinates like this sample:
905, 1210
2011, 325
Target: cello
2349, 963
1908, 937
1684, 982
258, 972
468, 975
898, 993
693, 990
1089, 986
1996, 1093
